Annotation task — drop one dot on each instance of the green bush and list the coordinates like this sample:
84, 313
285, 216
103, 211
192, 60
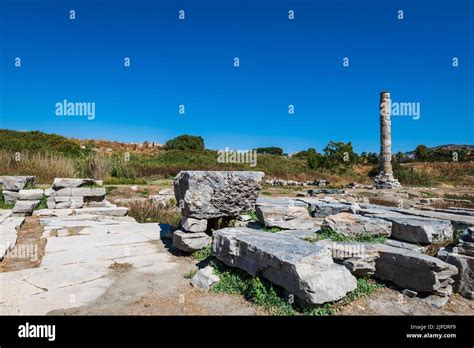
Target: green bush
185, 142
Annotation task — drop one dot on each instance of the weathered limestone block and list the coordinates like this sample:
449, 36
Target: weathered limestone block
359, 267
405, 245
17, 183
351, 225
420, 230
405, 268
302, 269
283, 213
10, 196
25, 207
51, 203
194, 225
464, 280
190, 242
213, 194
320, 208
60, 183
88, 192
413, 270
30, 195
205, 278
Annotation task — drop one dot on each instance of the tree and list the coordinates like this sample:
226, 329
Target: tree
315, 160
340, 154
185, 142
422, 153
270, 151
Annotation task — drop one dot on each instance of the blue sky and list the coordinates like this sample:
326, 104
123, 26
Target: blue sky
283, 62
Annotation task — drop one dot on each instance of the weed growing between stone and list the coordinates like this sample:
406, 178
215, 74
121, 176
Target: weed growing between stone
339, 237
271, 229
149, 211
43, 203
271, 298
203, 254
190, 274
4, 205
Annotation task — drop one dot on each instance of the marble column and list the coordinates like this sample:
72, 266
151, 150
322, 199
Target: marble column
385, 133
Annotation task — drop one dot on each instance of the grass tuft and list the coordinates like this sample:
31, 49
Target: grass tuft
339, 237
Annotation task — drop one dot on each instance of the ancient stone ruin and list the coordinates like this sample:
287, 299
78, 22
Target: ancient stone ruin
322, 271
206, 197
76, 193
385, 179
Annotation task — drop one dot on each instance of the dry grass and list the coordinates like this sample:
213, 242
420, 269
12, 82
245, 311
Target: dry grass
455, 173
46, 167
149, 211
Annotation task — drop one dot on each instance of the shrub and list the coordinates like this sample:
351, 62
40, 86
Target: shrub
185, 142
277, 151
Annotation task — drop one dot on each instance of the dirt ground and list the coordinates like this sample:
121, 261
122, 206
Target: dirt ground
135, 293
387, 301
29, 236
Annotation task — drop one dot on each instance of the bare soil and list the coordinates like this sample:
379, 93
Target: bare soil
29, 241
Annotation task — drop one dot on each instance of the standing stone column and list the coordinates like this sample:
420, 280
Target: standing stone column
385, 133
385, 179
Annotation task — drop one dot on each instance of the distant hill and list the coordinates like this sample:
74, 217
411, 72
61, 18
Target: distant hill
453, 147
449, 147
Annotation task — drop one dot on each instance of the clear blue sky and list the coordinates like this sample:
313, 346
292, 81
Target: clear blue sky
282, 62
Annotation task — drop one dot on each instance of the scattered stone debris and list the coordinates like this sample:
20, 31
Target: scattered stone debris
164, 197
205, 278
283, 183
462, 257
352, 225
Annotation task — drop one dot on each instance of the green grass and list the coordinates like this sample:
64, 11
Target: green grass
203, 254
43, 203
190, 274
252, 214
4, 205
264, 294
124, 181
339, 237
254, 289
271, 229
